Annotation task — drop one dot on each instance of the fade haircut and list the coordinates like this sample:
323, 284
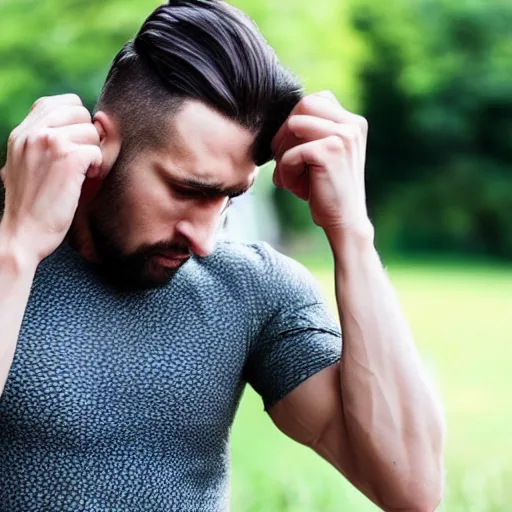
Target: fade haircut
205, 50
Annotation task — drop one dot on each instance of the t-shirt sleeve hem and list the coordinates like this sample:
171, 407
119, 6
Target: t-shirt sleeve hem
295, 379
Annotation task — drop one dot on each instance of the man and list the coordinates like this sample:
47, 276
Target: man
124, 351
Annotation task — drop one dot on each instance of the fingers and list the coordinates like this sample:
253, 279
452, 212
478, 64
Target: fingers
296, 180
87, 141
309, 128
65, 116
60, 124
47, 104
52, 112
323, 105
304, 128
43, 106
84, 133
91, 159
292, 170
329, 96
314, 105
318, 103
72, 123
318, 155
50, 102
86, 158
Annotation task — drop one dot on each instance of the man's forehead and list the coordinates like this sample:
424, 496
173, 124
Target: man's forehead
199, 129
208, 146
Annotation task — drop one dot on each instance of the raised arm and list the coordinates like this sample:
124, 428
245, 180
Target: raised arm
48, 157
375, 415
16, 275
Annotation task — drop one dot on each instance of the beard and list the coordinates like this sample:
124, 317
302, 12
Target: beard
140, 269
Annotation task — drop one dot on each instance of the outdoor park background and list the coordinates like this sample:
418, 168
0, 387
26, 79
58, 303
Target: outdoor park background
434, 79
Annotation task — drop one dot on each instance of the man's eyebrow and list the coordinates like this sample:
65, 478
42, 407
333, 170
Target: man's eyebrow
214, 189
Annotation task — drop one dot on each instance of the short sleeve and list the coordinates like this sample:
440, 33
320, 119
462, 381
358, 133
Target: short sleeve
299, 339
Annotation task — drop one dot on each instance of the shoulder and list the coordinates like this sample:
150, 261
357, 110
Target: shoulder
258, 257
258, 265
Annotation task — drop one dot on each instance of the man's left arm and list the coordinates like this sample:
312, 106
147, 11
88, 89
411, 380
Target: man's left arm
375, 415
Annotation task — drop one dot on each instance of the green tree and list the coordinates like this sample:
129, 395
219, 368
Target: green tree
437, 89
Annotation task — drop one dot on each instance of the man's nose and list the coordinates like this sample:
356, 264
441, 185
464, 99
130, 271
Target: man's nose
200, 228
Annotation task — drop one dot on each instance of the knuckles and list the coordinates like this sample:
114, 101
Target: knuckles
307, 103
349, 135
65, 99
39, 103
363, 124
327, 95
45, 141
57, 146
79, 114
13, 137
73, 98
37, 139
334, 145
83, 114
291, 123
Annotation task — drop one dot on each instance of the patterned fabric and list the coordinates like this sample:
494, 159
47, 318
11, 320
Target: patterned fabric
124, 401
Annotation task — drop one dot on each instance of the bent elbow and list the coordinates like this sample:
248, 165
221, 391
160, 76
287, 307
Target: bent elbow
424, 496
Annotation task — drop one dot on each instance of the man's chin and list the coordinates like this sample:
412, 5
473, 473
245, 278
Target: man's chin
151, 276
159, 273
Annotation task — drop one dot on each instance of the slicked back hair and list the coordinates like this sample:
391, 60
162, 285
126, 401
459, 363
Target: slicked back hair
205, 50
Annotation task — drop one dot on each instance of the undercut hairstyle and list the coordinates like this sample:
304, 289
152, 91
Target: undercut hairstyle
204, 50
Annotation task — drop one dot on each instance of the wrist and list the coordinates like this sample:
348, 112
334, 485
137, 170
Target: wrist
354, 251
351, 238
14, 254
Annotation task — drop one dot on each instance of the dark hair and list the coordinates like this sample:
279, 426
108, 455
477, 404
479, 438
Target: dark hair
205, 50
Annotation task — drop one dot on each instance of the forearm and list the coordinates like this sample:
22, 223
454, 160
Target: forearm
16, 276
392, 415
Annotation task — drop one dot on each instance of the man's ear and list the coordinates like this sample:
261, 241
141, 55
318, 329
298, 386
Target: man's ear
110, 141
110, 145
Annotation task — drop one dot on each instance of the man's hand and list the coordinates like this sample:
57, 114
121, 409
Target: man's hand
320, 155
48, 157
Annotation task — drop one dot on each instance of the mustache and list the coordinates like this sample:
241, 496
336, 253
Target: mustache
165, 247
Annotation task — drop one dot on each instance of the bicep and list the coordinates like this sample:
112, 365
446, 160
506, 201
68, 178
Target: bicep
312, 414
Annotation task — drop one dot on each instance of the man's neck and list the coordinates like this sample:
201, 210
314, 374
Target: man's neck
80, 238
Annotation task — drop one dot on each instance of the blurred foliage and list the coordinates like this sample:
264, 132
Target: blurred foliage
59, 46
437, 90
433, 77
435, 82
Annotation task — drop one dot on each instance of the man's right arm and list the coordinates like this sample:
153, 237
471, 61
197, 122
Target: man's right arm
16, 276
49, 156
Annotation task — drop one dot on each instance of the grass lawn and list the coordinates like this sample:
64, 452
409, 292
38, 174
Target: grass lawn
462, 320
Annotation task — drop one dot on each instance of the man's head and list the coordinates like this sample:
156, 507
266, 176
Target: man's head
188, 110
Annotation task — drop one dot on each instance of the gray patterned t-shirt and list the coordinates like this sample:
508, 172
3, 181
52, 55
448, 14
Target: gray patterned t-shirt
124, 401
